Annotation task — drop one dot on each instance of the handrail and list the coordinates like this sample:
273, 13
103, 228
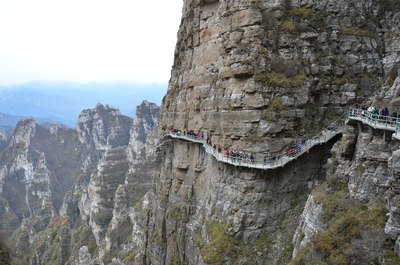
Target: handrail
276, 162
376, 121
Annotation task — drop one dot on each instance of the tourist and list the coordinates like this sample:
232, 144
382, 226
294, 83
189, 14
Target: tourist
291, 150
299, 146
364, 107
394, 117
385, 111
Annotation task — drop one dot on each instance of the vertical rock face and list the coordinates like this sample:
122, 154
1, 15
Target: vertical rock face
66, 196
259, 75
103, 127
361, 176
309, 225
392, 228
143, 137
250, 71
36, 171
197, 202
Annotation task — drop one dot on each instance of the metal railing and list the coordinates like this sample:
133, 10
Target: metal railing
272, 163
376, 121
279, 160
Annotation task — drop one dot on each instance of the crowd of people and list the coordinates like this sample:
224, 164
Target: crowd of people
383, 113
236, 156
239, 156
294, 150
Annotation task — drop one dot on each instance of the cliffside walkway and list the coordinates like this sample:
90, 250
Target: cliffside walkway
376, 121
276, 162
373, 120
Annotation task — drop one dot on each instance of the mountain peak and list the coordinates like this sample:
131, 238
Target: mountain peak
103, 126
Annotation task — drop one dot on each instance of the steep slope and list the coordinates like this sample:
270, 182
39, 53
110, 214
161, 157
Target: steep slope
258, 76
255, 76
272, 71
37, 167
63, 191
5, 257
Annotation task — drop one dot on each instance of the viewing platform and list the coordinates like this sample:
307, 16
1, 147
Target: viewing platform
376, 121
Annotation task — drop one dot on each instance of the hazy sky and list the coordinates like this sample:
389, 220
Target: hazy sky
87, 40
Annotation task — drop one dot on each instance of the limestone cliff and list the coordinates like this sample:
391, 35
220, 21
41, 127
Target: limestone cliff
66, 194
258, 76
268, 72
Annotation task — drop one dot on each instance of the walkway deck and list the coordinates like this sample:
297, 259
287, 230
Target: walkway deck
376, 121
279, 161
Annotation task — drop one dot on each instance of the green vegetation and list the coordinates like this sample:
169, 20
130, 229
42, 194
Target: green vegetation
102, 218
303, 12
74, 136
288, 26
357, 221
334, 161
355, 230
5, 257
334, 204
218, 246
303, 257
122, 233
360, 170
176, 260
107, 257
178, 214
275, 79
389, 255
276, 104
221, 244
197, 238
339, 81
9, 221
83, 236
51, 243
267, 116
130, 258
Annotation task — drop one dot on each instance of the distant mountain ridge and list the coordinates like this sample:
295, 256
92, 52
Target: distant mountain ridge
62, 101
8, 122
66, 193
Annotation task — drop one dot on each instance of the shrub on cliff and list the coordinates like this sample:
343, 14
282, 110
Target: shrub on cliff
5, 257
354, 233
275, 79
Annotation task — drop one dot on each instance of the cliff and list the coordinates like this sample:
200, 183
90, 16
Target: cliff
66, 194
258, 76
